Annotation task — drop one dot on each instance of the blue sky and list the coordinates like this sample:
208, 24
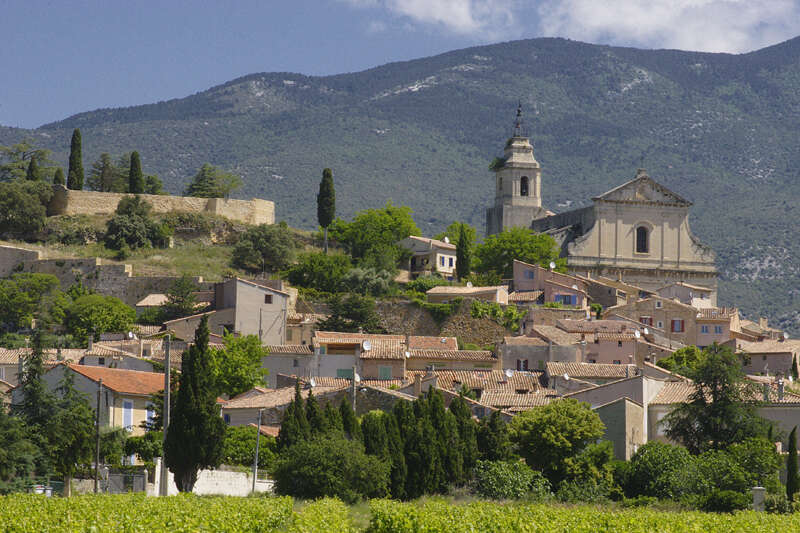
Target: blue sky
62, 57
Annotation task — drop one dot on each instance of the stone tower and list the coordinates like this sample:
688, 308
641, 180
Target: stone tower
518, 185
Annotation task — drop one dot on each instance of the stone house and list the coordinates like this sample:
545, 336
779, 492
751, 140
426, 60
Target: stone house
300, 327
430, 256
445, 294
242, 410
623, 420
11, 360
686, 293
609, 292
768, 356
550, 286
533, 353
241, 307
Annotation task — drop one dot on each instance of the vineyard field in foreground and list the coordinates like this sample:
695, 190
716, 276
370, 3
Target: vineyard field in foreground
188, 513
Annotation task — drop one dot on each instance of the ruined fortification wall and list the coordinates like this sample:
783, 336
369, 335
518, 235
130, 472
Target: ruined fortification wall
12, 257
67, 202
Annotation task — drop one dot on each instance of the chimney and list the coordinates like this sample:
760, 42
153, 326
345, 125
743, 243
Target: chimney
780, 390
91, 341
141, 346
408, 341
763, 322
766, 392
417, 385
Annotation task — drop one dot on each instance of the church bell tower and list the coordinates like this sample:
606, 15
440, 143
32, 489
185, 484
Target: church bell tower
518, 186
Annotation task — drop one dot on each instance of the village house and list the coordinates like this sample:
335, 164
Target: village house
241, 307
609, 292
547, 285
686, 293
11, 360
430, 256
446, 293
768, 356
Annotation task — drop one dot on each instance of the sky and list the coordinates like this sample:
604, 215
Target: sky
58, 57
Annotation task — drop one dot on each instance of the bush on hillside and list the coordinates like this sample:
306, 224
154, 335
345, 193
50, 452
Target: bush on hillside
504, 480
725, 501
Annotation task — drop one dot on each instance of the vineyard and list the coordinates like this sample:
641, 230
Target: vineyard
134, 513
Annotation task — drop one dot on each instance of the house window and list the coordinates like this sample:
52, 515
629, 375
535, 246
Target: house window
295, 364
523, 186
227, 418
660, 325
677, 326
441, 260
289, 334
267, 298
617, 362
127, 414
646, 320
384, 372
566, 299
451, 262
522, 364
413, 262
718, 330
642, 238
344, 373
101, 361
2, 373
592, 360
529, 274
658, 304
619, 344
323, 350
703, 329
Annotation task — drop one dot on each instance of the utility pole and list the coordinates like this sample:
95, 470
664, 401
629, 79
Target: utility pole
97, 438
255, 459
163, 489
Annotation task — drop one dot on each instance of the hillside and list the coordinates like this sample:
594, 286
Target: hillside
718, 129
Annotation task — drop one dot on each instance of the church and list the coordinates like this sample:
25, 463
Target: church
637, 233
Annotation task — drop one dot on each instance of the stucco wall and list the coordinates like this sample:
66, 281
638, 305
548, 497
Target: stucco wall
537, 356
67, 202
624, 421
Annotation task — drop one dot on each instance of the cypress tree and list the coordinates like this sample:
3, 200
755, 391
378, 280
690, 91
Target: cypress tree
58, 177
326, 203
75, 169
794, 368
396, 446
32, 174
135, 176
333, 419
373, 429
463, 254
467, 433
38, 403
350, 424
792, 481
316, 421
196, 431
493, 440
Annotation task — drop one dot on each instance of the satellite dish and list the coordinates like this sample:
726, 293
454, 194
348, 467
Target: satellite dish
552, 265
446, 239
130, 335
566, 376
469, 284
408, 355
443, 340
312, 382
366, 345
574, 286
646, 331
357, 378
509, 372
785, 336
637, 334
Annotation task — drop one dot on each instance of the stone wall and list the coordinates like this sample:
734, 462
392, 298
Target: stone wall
67, 202
12, 257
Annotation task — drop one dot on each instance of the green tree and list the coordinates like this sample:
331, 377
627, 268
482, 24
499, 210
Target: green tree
721, 410
58, 177
294, 424
319, 271
494, 442
196, 431
375, 231
683, 361
467, 432
14, 160
236, 368
212, 182
106, 177
352, 313
135, 176
239, 447
503, 480
132, 226
547, 436
792, 479
497, 253
330, 466
399, 471
660, 470
373, 430
453, 233
760, 461
181, 300
75, 170
350, 424
95, 313
268, 247
18, 455
463, 254
153, 185
71, 433
316, 421
25, 296
32, 173
21, 212
332, 419
147, 447
326, 203
38, 403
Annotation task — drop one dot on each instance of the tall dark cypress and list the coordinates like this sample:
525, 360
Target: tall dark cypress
352, 428
463, 254
373, 429
326, 203
316, 420
135, 176
32, 174
58, 177
396, 444
196, 431
792, 482
75, 171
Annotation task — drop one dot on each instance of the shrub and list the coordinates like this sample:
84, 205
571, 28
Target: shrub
95, 313
22, 211
777, 503
367, 281
239, 447
132, 227
576, 491
330, 466
639, 501
503, 480
660, 470
323, 272
268, 247
724, 501
425, 283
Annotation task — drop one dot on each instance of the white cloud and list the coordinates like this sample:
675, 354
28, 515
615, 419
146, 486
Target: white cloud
701, 25
376, 26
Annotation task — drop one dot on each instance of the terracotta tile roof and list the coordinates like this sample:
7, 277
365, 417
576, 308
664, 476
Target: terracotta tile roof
152, 300
717, 313
454, 355
452, 289
481, 379
517, 402
524, 340
299, 349
524, 296
590, 326
146, 330
767, 347
681, 391
615, 336
556, 335
565, 286
629, 289
123, 381
101, 350
434, 242
687, 285
272, 398
339, 337
11, 356
419, 342
590, 370
262, 286
324, 381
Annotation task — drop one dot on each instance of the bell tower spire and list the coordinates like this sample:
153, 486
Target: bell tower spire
518, 199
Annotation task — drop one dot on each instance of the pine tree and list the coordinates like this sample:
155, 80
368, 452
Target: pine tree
463, 254
135, 176
196, 431
75, 170
58, 177
349, 421
326, 203
792, 481
32, 174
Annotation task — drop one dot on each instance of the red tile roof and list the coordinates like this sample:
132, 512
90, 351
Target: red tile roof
419, 342
123, 381
454, 355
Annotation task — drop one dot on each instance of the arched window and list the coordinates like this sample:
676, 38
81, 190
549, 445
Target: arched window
523, 186
642, 240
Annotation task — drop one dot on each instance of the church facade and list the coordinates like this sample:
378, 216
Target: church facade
637, 233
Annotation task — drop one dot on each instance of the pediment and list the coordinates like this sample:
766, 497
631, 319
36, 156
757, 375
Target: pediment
643, 189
